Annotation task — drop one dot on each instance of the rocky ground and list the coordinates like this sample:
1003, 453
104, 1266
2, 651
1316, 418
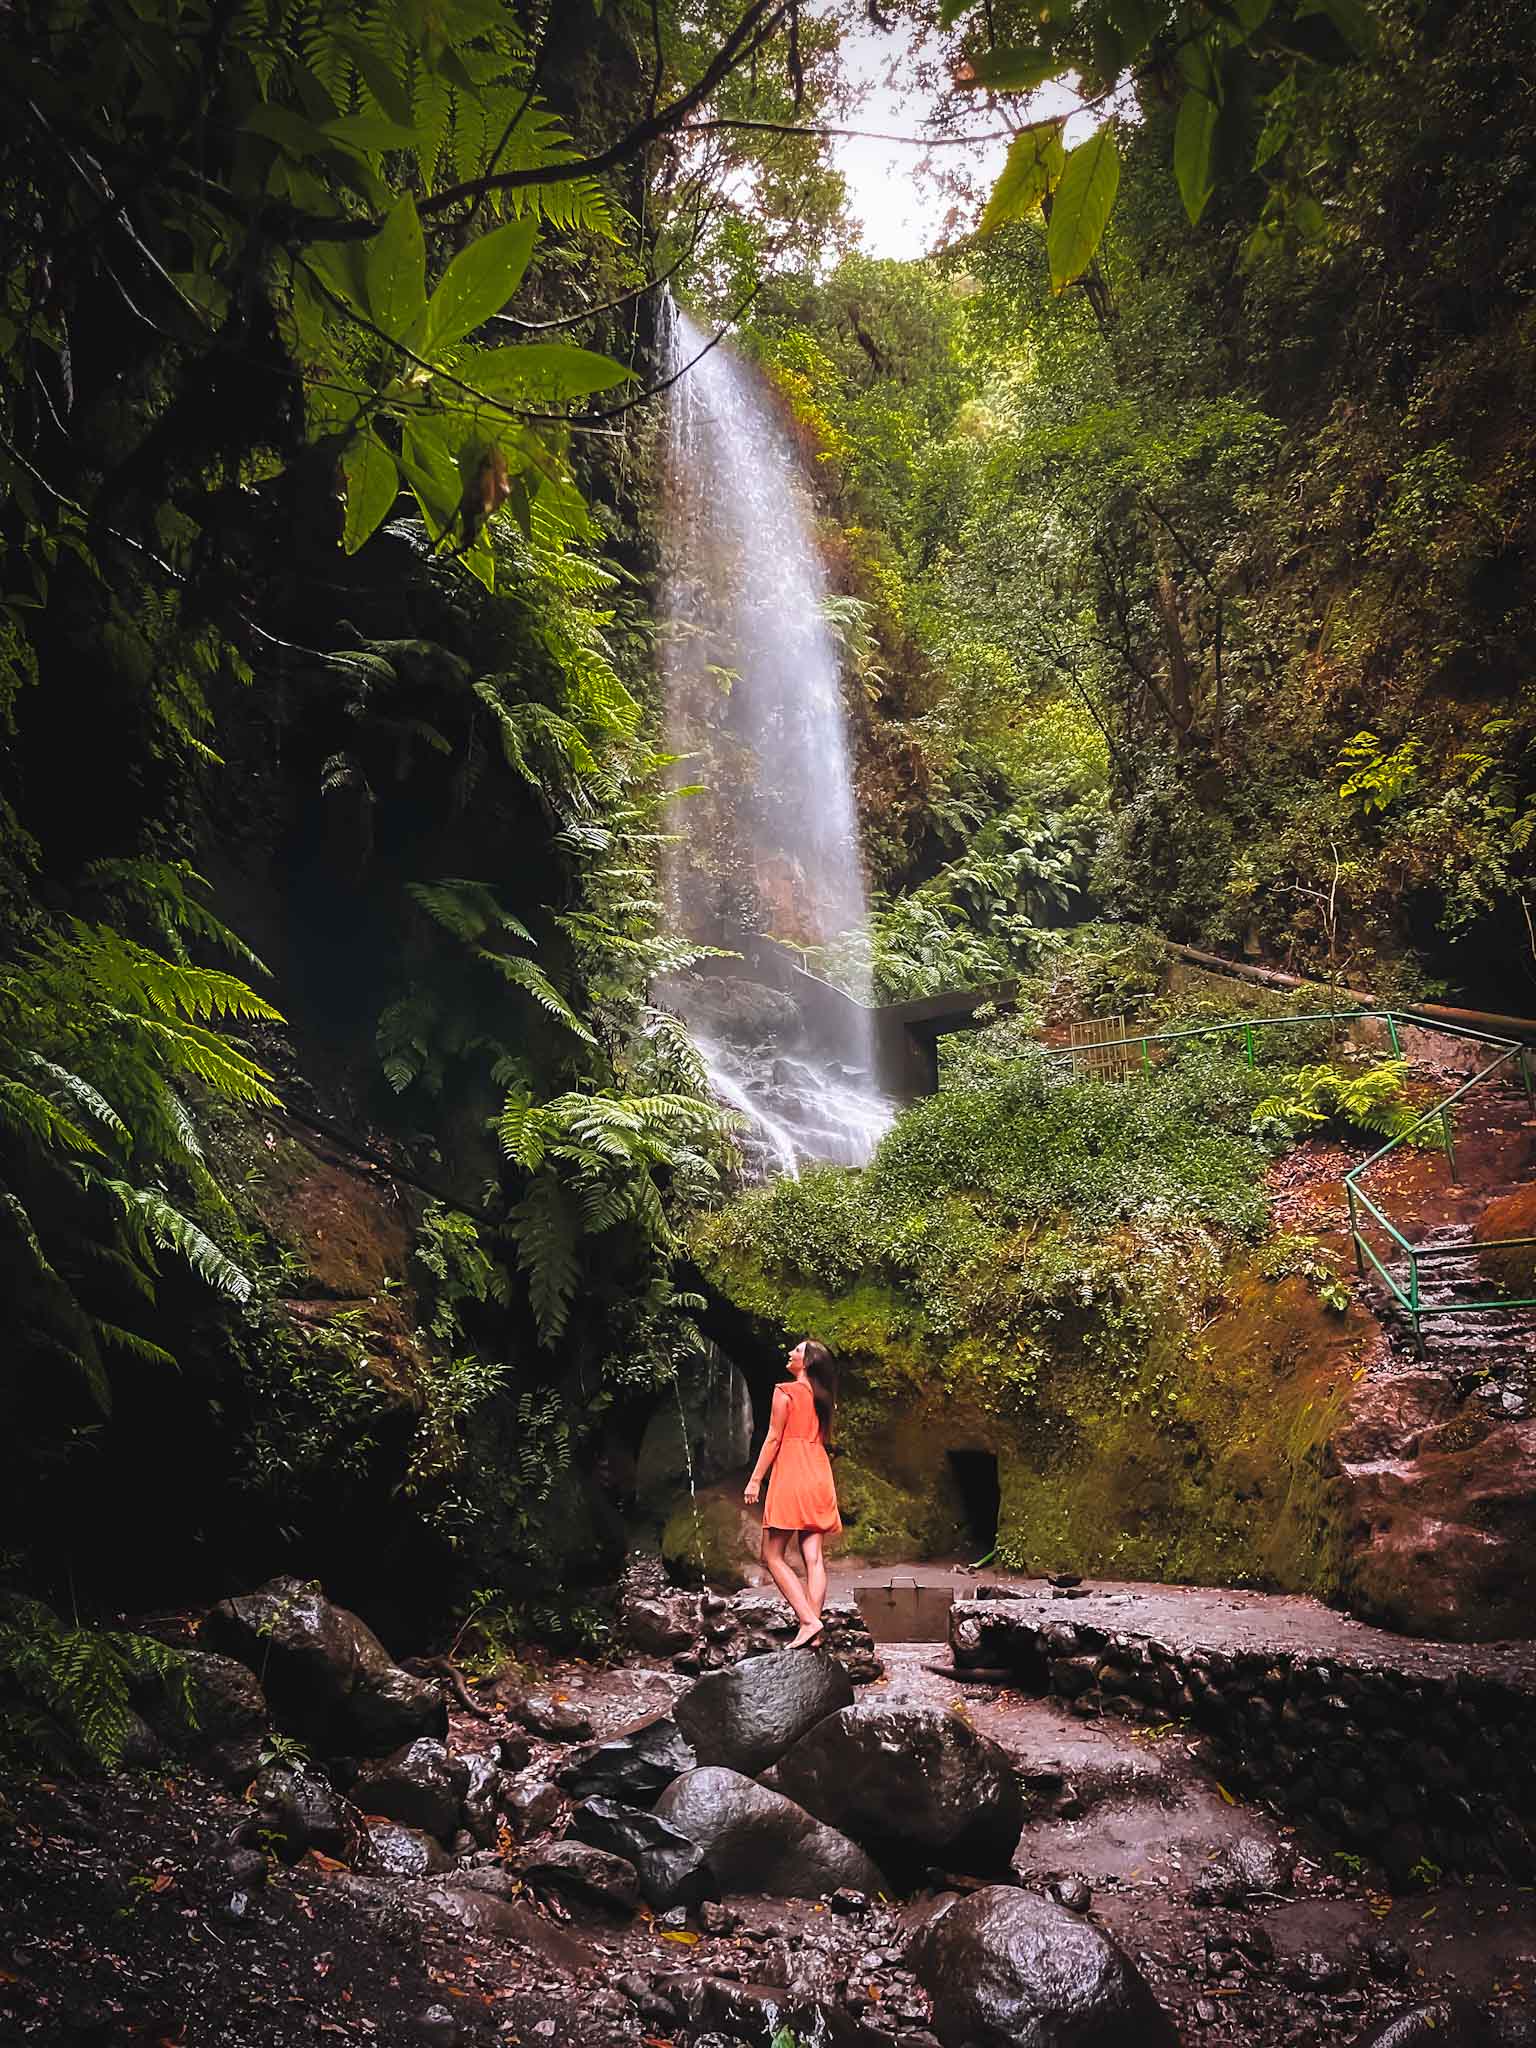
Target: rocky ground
163, 1907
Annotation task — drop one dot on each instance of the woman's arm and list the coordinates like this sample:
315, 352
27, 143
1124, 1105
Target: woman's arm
765, 1457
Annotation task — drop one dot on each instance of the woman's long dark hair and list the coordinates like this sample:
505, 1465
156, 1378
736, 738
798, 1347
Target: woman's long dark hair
822, 1374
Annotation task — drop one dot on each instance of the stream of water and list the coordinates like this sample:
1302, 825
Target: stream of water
768, 842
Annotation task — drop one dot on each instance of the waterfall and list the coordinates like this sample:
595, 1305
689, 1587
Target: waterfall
766, 842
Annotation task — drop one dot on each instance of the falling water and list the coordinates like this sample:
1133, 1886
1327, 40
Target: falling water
770, 843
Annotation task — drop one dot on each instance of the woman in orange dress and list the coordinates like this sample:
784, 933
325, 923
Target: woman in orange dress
802, 1498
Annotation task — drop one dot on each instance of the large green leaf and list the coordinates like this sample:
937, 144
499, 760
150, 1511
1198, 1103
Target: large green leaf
479, 281
395, 269
1035, 161
432, 472
373, 480
1082, 206
1353, 21
1019, 69
1194, 138
549, 370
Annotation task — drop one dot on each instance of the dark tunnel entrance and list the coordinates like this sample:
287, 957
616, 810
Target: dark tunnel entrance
975, 1474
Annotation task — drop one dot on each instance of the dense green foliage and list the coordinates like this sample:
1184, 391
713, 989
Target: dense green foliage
318, 535
1178, 523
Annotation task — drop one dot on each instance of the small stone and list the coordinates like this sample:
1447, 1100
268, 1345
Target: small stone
556, 1720
846, 1899
673, 1921
715, 1918
1314, 1971
1207, 2011
533, 1808
1075, 1893
237, 1907
1388, 1959
437, 2027
515, 1751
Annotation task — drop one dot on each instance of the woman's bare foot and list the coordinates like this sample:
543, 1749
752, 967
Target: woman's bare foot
809, 1631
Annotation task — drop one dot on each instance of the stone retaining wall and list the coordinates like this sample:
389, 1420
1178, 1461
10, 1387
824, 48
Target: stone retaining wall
1407, 1769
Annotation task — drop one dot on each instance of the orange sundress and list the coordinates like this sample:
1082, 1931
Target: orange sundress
801, 1492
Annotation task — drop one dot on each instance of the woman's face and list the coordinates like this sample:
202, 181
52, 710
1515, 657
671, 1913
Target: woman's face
797, 1359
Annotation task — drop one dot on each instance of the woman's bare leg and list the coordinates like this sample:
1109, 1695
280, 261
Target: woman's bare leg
815, 1568
786, 1581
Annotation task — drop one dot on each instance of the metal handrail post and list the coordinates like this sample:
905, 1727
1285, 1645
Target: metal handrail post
1450, 1149
1354, 1228
1397, 1049
1248, 1041
1525, 1076
1413, 1303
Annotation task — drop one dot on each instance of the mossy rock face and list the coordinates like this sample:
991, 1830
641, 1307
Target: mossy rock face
884, 1522
1514, 1268
714, 1542
1205, 1460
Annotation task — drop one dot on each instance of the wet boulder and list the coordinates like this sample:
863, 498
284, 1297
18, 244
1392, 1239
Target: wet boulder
1442, 2023
396, 1851
755, 1840
582, 1872
1007, 1969
758, 2014
297, 1810
326, 1675
745, 1717
633, 1767
670, 1866
554, 1719
421, 1786
915, 1786
485, 1796
701, 1431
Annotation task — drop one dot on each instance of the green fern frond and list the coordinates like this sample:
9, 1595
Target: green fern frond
119, 1339
525, 975
547, 1233
154, 1221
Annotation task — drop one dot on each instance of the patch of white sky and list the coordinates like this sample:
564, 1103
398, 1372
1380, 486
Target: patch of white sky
904, 200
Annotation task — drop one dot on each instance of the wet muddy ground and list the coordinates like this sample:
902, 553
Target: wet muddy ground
123, 1924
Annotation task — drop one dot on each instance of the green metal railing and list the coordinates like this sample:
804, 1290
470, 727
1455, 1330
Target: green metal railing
1410, 1298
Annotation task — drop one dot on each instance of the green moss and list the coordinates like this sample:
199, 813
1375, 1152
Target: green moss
704, 1544
885, 1522
1206, 1463
1141, 1437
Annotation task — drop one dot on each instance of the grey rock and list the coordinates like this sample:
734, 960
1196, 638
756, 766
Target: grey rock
326, 1675
591, 1874
747, 1716
1442, 2023
655, 1627
297, 1810
914, 1786
758, 2013
516, 1752
484, 1796
532, 1808
633, 1767
1007, 1969
228, 1706
670, 1866
700, 1432
421, 1786
1075, 1893
556, 1720
1249, 1867
715, 1918
395, 1850
755, 1840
